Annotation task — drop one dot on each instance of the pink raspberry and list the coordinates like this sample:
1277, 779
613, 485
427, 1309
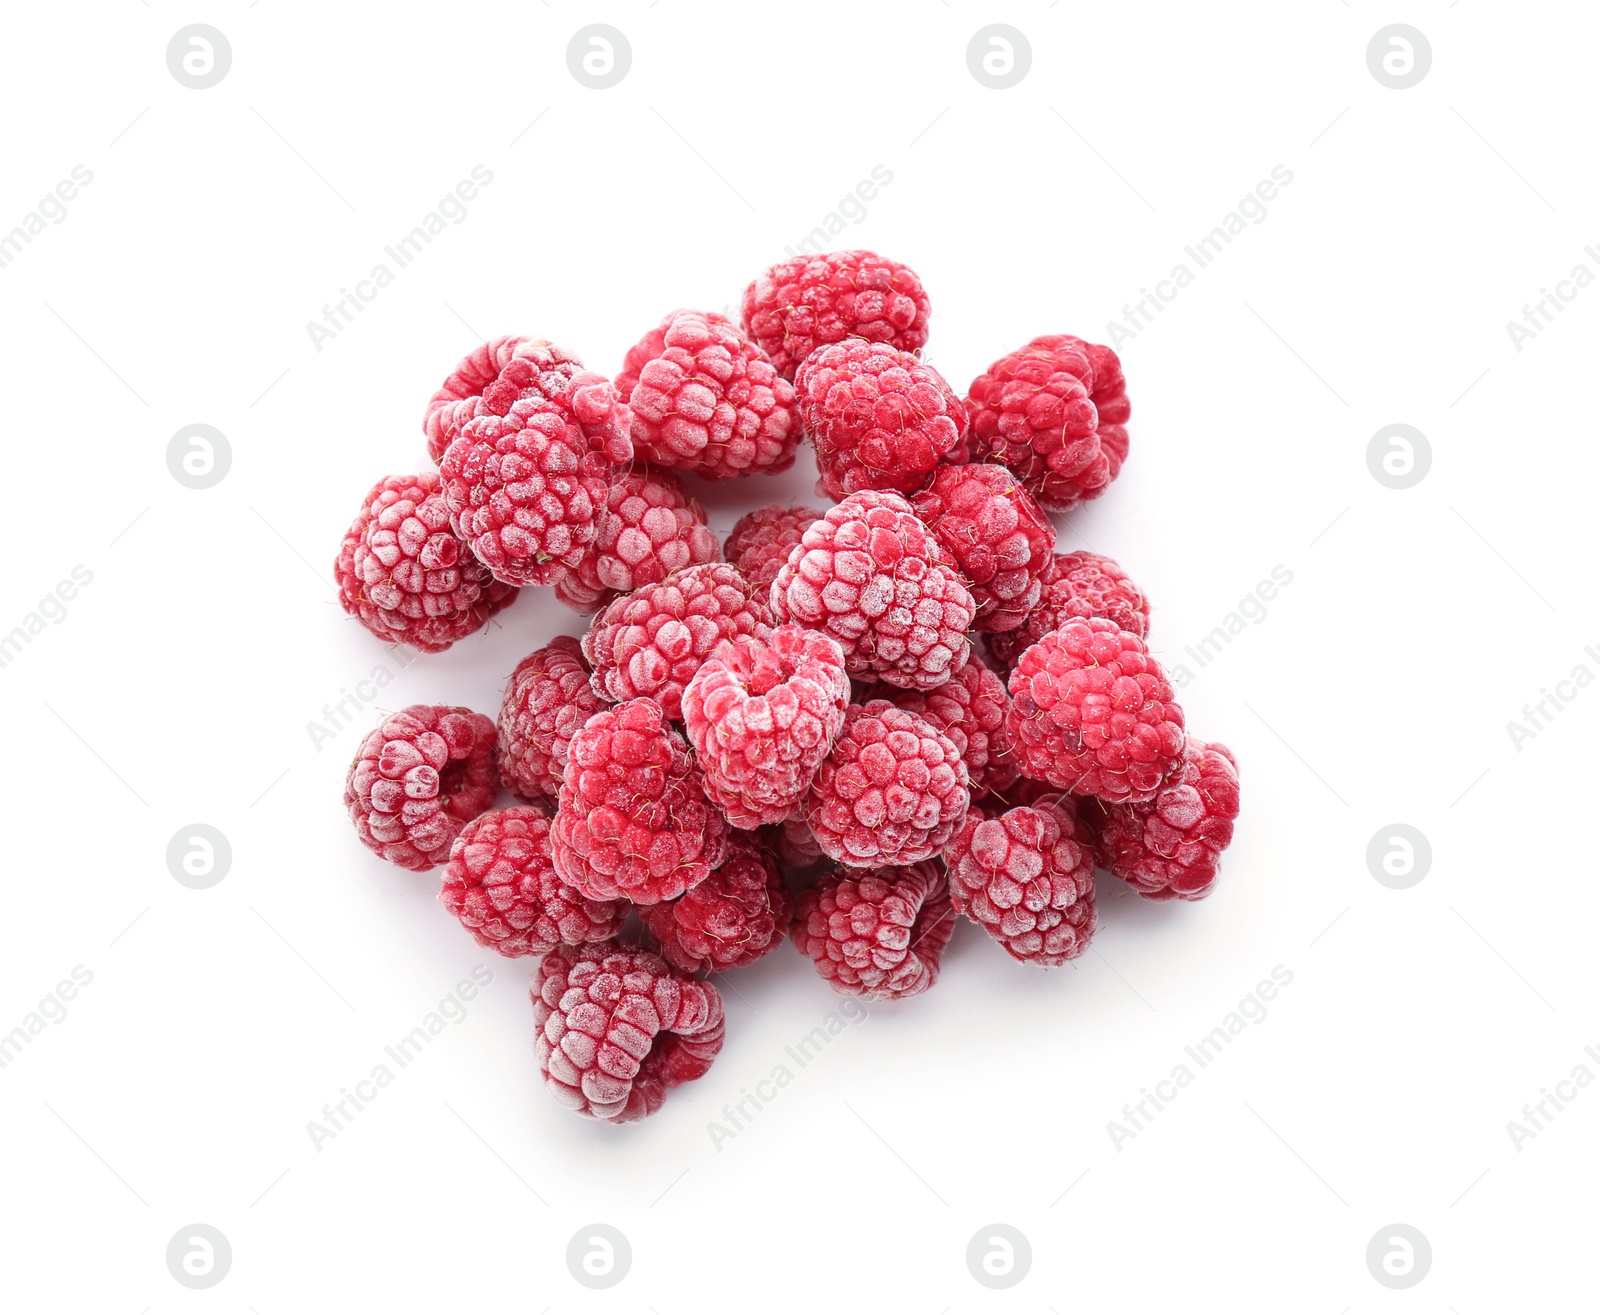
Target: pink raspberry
1169, 848
422, 775
1109, 393
970, 708
879, 418
732, 918
707, 400
801, 304
762, 714
1026, 877
998, 536
1080, 584
647, 528
1092, 712
761, 540
503, 887
871, 575
547, 699
616, 1028
878, 933
632, 820
649, 643
892, 791
407, 576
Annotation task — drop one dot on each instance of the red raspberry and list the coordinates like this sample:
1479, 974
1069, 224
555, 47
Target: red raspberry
502, 885
417, 779
1169, 847
732, 918
649, 643
1080, 584
648, 528
762, 714
407, 576
871, 575
1109, 393
1026, 877
880, 932
547, 699
801, 304
615, 1028
707, 400
632, 820
797, 847
999, 537
970, 708
1092, 712
761, 541
879, 418
892, 791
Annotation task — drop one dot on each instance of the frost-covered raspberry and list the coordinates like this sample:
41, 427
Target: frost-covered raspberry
526, 488
647, 528
547, 699
801, 304
1080, 584
616, 1028
503, 887
871, 575
1026, 876
1169, 848
797, 847
407, 576
971, 709
879, 418
762, 714
417, 779
878, 933
998, 535
892, 791
732, 918
1092, 712
705, 398
761, 540
649, 643
632, 820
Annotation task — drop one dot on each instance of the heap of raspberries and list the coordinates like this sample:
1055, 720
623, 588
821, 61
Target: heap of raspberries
853, 726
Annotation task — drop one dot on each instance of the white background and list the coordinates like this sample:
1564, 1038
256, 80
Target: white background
180, 684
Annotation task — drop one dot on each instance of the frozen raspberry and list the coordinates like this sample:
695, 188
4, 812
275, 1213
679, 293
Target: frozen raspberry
1092, 712
970, 708
762, 714
892, 791
417, 779
547, 699
797, 847
649, 643
761, 541
731, 919
706, 399
879, 933
502, 885
1026, 876
1169, 847
632, 820
801, 304
879, 418
1080, 584
648, 528
407, 576
1109, 393
998, 535
615, 1028
871, 575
